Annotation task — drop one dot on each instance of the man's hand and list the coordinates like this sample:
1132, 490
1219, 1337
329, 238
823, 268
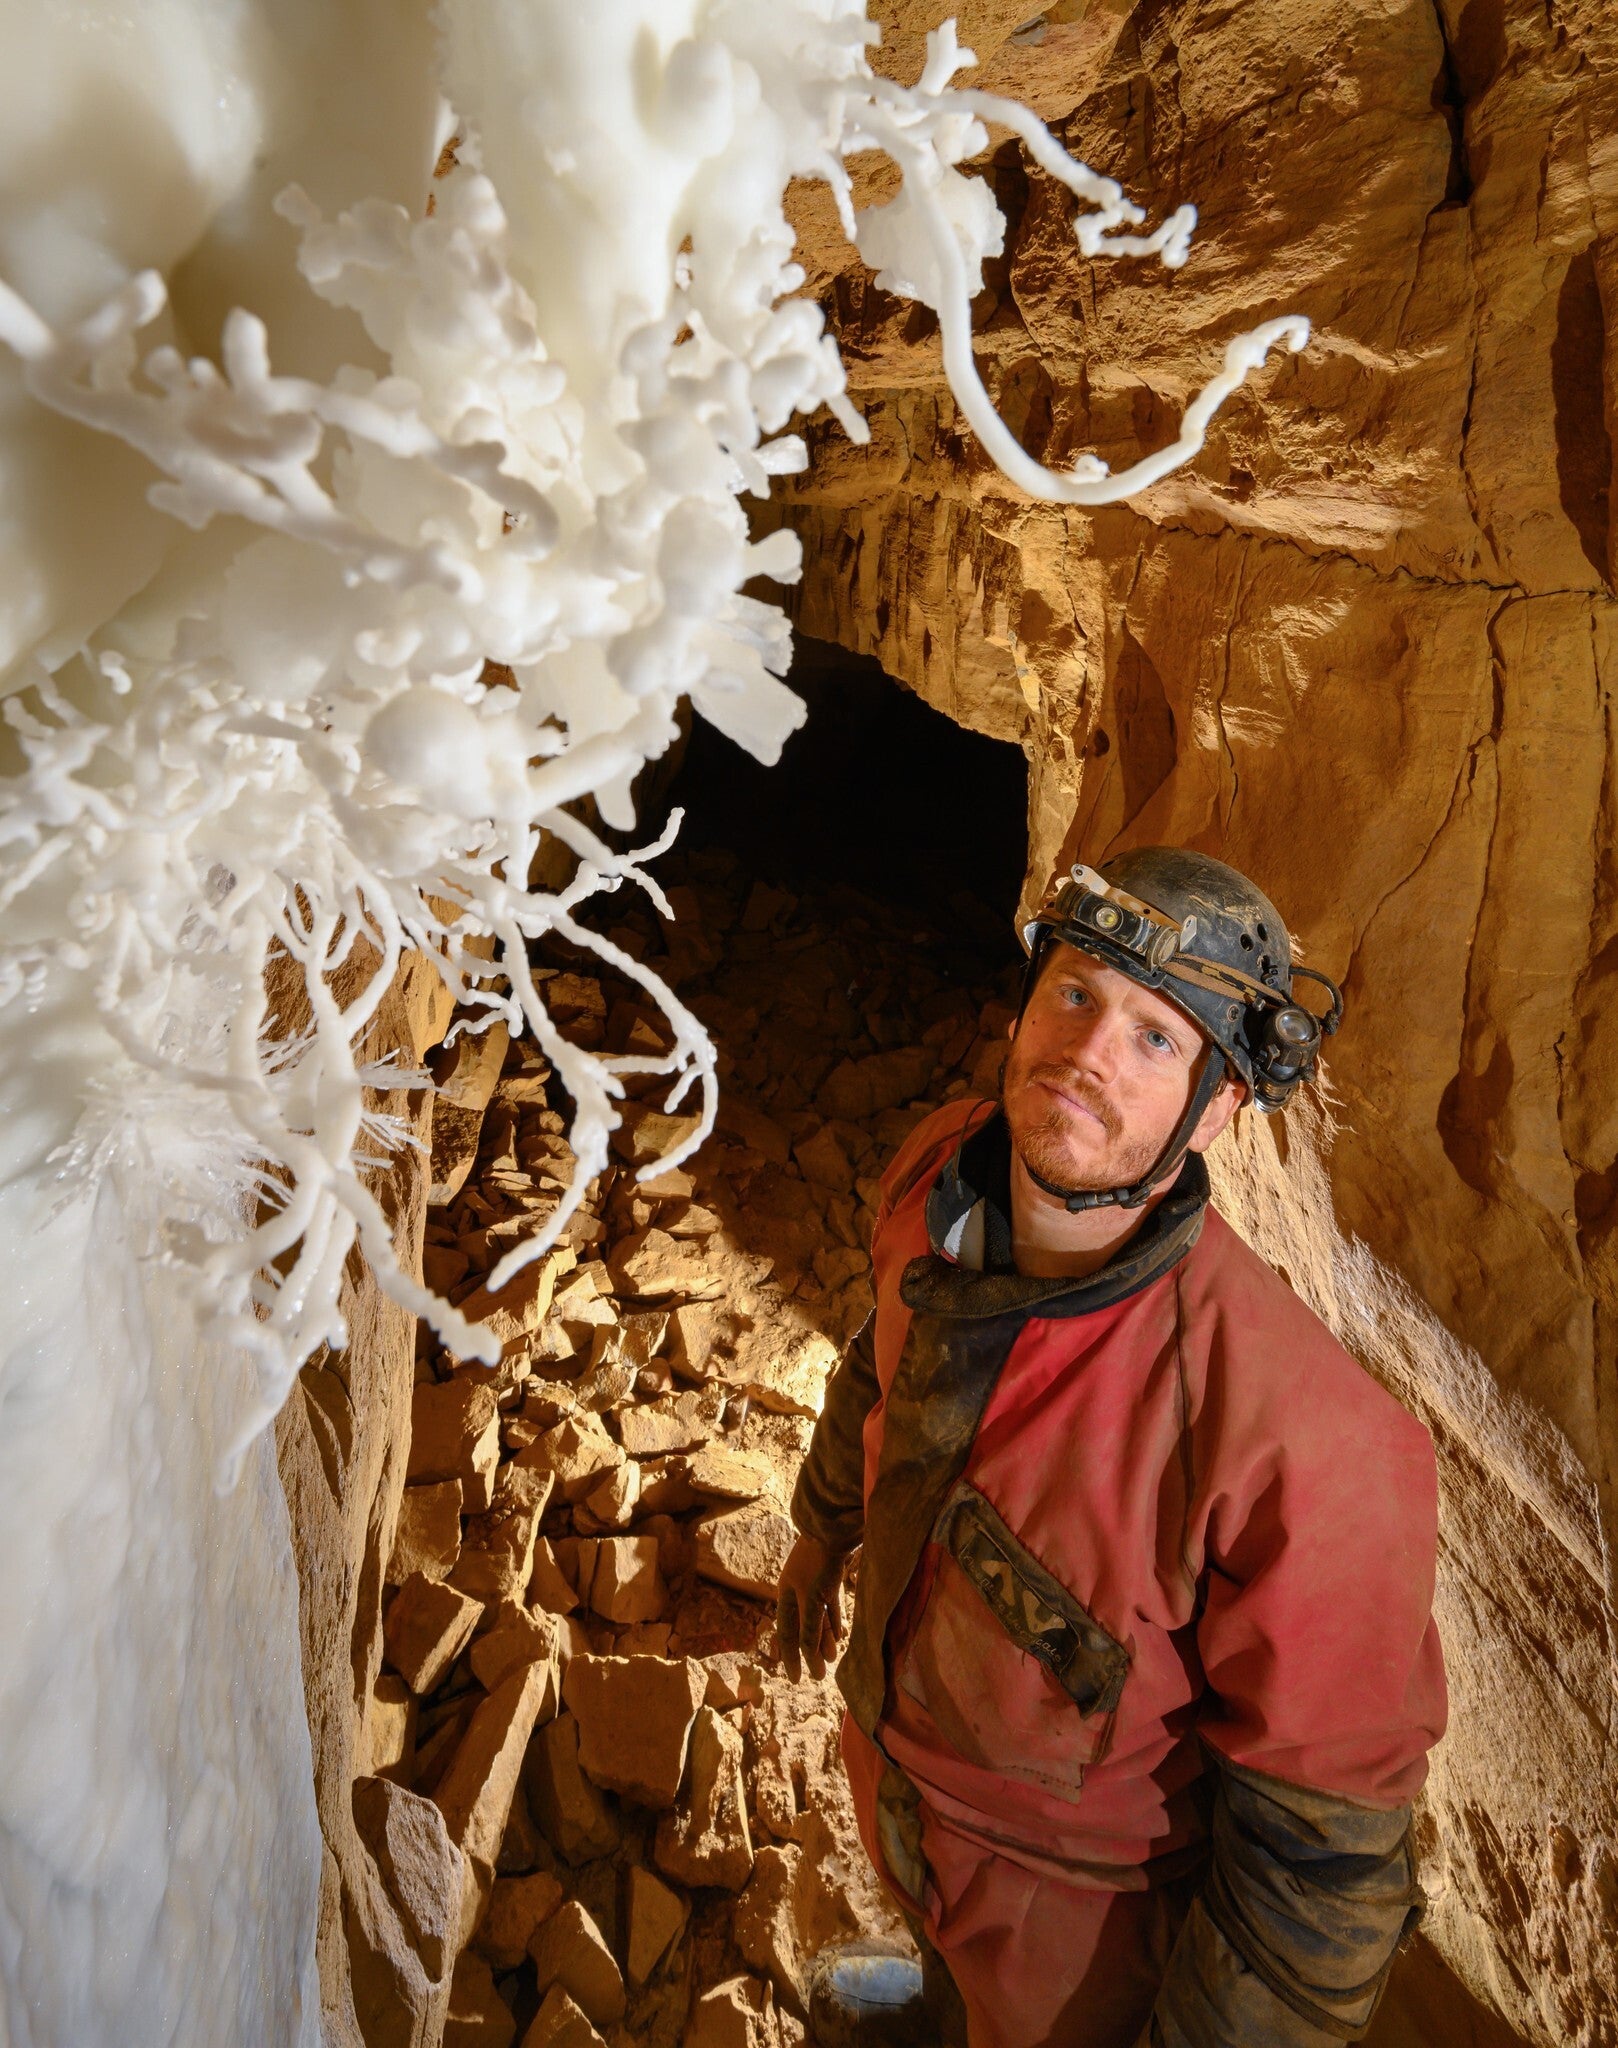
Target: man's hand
809, 1610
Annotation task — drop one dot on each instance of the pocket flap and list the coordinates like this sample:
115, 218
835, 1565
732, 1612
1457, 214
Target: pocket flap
1036, 1610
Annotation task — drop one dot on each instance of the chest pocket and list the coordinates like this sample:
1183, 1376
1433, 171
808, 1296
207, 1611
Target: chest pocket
1036, 1610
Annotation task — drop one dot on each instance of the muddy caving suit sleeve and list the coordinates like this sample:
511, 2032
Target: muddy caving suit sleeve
1290, 1941
828, 1502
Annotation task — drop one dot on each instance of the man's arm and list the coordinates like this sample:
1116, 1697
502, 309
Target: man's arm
828, 1502
1291, 1939
1325, 1693
828, 1510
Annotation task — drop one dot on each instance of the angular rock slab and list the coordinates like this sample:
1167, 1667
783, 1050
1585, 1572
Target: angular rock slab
560, 2024
419, 1865
476, 1792
570, 1950
455, 1434
656, 1917
427, 1538
635, 1716
426, 1627
478, 2016
707, 1840
570, 1811
745, 1548
517, 1908
735, 2014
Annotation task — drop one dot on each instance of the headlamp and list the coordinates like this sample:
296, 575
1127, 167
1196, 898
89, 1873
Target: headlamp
1088, 902
1287, 1044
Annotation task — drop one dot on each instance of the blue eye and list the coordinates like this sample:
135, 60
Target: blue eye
1160, 1041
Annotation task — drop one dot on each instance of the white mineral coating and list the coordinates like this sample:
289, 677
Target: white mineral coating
159, 1853
247, 716
157, 137
288, 745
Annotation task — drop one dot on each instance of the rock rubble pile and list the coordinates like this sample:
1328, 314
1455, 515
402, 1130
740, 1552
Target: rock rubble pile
593, 1795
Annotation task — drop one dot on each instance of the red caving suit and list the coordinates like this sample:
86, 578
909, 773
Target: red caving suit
1142, 1675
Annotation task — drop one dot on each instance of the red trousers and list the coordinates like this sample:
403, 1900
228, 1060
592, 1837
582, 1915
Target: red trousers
1036, 1961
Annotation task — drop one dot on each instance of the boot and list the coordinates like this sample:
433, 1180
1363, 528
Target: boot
866, 1994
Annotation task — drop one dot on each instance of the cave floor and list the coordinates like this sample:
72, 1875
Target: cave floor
670, 1389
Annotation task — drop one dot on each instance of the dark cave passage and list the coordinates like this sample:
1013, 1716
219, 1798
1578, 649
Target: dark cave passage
613, 1500
877, 793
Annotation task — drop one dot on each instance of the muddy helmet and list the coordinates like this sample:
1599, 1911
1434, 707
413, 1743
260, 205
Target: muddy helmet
1204, 937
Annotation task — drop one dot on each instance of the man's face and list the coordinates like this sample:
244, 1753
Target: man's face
1099, 1075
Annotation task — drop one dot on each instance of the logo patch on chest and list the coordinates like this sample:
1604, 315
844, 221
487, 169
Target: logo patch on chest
1036, 1610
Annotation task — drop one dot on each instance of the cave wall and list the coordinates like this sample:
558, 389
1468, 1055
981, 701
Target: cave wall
1366, 647
341, 1445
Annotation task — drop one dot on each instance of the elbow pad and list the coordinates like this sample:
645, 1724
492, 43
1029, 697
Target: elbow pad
1290, 1942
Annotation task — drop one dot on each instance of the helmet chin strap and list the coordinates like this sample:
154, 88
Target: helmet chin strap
1131, 1197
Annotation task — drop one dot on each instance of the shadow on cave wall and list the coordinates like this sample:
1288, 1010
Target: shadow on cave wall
1427, 2006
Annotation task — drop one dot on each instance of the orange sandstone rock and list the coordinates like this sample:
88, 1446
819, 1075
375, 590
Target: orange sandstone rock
426, 1627
568, 1950
706, 1841
656, 1918
478, 2016
428, 1535
476, 1792
455, 1434
635, 1716
745, 1547
517, 1908
559, 2023
572, 1813
735, 2014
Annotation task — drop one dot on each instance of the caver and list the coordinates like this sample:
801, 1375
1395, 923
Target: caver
1142, 1675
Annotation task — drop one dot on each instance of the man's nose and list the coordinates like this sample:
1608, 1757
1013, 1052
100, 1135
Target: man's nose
1097, 1045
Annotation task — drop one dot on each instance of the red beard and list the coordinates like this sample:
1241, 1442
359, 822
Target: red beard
1042, 1142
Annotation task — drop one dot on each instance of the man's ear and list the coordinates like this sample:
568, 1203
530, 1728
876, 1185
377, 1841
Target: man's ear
1228, 1098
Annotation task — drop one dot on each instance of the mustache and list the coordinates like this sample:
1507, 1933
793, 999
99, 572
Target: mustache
1082, 1089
